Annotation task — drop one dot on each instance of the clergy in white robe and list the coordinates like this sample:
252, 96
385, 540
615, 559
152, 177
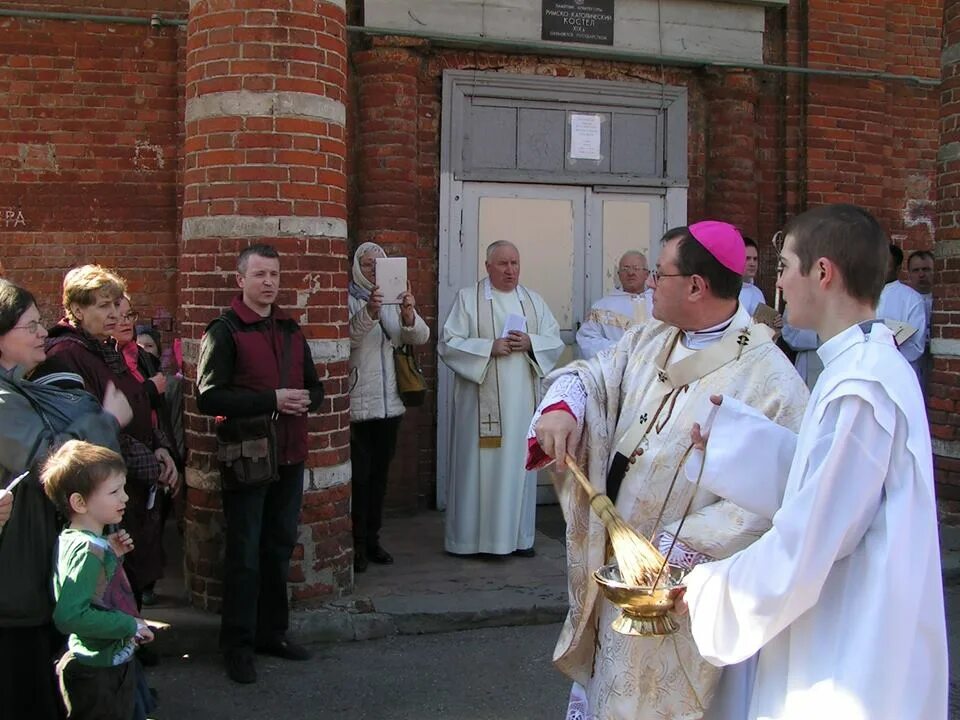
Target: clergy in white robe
491, 498
843, 595
920, 271
902, 304
637, 401
629, 304
751, 296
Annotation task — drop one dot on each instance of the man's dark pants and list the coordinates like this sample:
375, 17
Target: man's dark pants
261, 533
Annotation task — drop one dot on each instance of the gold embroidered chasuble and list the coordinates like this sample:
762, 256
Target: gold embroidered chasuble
642, 384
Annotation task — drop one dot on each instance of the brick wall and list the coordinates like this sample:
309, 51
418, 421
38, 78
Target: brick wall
945, 380
91, 153
89, 149
264, 162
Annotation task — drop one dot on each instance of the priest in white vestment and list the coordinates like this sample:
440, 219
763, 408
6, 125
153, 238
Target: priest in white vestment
750, 295
629, 304
500, 339
904, 305
843, 595
626, 416
920, 273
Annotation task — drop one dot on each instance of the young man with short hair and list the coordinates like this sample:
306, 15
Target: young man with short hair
750, 295
920, 274
842, 597
255, 365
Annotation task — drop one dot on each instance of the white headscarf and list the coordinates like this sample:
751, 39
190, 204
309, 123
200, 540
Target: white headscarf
360, 287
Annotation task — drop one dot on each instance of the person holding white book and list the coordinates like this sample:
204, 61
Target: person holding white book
378, 323
491, 499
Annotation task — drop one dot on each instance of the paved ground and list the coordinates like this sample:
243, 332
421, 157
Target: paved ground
501, 673
494, 673
486, 672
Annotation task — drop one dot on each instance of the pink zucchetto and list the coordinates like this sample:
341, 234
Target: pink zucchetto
723, 241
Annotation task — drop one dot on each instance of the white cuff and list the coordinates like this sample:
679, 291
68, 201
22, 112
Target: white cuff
568, 389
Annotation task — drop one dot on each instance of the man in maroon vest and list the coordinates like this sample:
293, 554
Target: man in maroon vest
256, 371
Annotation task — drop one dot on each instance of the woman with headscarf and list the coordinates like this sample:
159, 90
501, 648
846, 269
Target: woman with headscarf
82, 344
37, 418
377, 326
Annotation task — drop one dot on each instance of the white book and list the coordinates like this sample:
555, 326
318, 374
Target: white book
391, 274
514, 322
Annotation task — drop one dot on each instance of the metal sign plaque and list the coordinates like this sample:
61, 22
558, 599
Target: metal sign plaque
578, 21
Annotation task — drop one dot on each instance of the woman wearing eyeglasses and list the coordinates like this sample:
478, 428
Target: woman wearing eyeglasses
82, 344
36, 419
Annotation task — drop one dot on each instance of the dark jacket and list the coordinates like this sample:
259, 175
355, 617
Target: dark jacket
28, 539
70, 350
245, 359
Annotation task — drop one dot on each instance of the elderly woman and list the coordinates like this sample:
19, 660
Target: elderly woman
36, 419
377, 325
82, 343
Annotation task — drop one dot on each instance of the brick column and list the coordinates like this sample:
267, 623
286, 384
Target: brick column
387, 205
264, 162
732, 192
944, 391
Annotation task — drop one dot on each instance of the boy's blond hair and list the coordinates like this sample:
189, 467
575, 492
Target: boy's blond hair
83, 284
78, 467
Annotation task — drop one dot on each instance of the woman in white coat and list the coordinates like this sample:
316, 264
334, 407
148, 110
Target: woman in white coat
377, 325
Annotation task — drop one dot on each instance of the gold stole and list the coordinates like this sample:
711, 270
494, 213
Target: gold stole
488, 418
678, 376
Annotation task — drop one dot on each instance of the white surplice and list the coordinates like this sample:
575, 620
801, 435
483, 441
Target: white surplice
491, 499
904, 304
843, 594
751, 296
610, 317
645, 678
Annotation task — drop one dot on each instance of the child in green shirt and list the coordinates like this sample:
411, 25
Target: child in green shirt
95, 604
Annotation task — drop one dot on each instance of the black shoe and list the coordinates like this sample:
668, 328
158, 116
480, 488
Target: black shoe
378, 555
283, 648
239, 666
147, 656
359, 560
525, 552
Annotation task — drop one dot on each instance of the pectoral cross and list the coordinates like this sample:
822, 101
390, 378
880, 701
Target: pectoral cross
490, 422
742, 340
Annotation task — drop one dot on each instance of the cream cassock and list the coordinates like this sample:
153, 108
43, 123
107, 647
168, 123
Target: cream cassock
843, 594
491, 499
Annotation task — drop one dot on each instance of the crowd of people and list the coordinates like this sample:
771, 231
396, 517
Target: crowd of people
84, 380
805, 477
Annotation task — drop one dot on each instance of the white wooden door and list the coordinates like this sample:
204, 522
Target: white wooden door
570, 239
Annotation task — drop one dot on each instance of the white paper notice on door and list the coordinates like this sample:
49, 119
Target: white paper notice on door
584, 136
391, 277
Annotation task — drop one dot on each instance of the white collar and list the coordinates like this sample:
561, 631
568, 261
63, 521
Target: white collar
699, 339
853, 335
